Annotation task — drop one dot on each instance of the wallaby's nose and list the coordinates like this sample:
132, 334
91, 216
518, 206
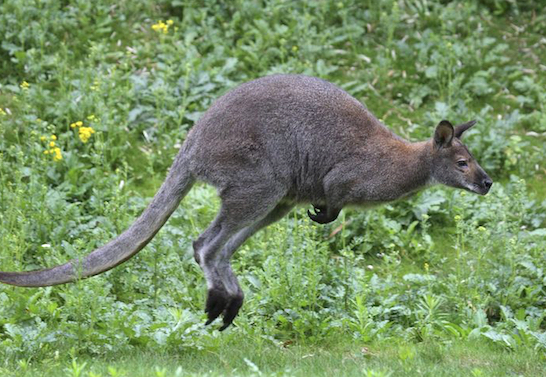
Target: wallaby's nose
487, 182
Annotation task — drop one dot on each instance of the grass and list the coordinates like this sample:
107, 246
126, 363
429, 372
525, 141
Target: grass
246, 356
445, 283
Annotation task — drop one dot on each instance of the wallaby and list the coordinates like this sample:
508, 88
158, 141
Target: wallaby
266, 146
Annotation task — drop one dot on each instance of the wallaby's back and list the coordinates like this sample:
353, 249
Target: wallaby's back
291, 127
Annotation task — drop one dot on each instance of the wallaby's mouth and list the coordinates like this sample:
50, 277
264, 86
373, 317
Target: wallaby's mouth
481, 189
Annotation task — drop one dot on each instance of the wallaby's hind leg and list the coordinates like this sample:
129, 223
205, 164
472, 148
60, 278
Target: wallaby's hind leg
242, 206
223, 261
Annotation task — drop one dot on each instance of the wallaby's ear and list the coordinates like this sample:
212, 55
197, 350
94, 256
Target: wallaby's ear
443, 135
462, 128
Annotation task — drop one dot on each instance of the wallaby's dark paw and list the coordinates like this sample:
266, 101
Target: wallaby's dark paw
321, 215
217, 301
231, 311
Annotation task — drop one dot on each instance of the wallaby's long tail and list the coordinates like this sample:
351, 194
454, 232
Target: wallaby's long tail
123, 247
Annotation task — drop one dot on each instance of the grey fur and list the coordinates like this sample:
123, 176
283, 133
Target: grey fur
266, 146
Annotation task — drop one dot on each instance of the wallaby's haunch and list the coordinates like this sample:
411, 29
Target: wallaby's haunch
266, 146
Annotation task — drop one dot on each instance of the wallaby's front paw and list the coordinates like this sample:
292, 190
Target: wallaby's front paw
321, 215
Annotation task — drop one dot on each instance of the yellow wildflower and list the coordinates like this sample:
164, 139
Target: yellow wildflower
24, 85
2, 112
43, 138
85, 133
53, 137
55, 153
51, 144
162, 27
57, 156
92, 117
76, 124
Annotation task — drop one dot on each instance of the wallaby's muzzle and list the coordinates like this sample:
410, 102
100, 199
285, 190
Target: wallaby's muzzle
482, 184
486, 185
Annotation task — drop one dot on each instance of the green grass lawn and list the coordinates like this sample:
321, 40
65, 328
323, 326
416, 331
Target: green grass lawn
96, 97
240, 355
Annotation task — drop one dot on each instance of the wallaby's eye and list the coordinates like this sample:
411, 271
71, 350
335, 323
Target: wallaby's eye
462, 164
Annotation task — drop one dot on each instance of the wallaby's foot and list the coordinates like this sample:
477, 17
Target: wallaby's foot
323, 215
232, 310
219, 302
238, 218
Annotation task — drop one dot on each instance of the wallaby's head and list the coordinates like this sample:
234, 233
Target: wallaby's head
452, 163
